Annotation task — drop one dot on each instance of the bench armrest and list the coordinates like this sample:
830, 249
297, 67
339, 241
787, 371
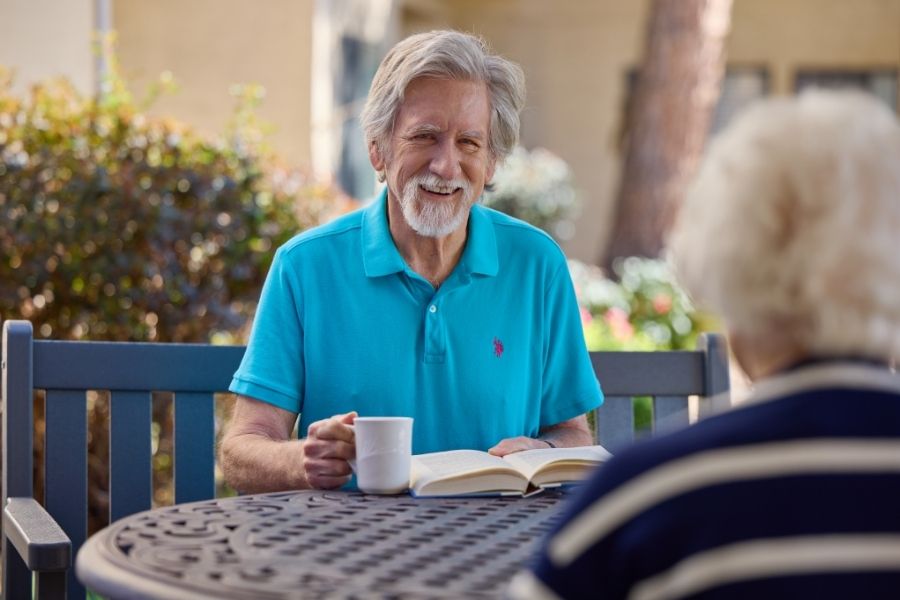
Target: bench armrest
38, 539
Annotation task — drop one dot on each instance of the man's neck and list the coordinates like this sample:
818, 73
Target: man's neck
434, 258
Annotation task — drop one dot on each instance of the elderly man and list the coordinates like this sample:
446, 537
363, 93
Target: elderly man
423, 304
790, 233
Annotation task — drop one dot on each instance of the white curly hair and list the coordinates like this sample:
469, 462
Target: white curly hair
792, 227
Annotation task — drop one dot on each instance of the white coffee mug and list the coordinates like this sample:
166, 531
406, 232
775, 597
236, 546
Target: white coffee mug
383, 454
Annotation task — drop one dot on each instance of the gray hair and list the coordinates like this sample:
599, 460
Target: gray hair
446, 55
790, 229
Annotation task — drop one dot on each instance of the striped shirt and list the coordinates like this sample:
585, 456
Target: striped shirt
796, 494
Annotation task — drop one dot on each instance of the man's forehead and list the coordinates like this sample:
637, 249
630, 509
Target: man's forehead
437, 104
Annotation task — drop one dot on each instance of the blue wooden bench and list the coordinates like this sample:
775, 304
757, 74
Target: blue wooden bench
42, 540
669, 378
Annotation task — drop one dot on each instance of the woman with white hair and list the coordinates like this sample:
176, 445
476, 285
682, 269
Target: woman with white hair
790, 234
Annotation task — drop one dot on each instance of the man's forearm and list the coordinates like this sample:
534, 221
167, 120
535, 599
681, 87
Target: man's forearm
253, 463
571, 433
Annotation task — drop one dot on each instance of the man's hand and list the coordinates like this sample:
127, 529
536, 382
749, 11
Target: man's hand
517, 444
568, 434
329, 444
259, 455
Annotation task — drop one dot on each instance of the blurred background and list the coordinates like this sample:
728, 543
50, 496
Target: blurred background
315, 59
154, 154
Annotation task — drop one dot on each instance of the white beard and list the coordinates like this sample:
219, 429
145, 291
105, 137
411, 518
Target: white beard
435, 218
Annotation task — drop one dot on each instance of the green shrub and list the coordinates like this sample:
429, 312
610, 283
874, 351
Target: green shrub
120, 226
643, 309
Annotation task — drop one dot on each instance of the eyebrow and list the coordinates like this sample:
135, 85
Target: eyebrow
473, 133
424, 128
431, 128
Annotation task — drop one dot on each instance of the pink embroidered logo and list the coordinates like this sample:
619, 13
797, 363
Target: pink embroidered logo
498, 347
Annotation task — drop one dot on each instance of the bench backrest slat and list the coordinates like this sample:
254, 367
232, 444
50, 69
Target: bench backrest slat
65, 465
195, 452
130, 453
670, 373
614, 422
135, 366
670, 413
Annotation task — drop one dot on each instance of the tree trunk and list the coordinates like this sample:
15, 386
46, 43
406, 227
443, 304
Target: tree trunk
668, 120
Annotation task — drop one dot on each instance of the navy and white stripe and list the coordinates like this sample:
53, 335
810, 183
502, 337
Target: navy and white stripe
795, 494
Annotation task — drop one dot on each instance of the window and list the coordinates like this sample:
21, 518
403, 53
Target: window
882, 83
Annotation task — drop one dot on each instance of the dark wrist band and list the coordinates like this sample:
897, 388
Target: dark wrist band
549, 443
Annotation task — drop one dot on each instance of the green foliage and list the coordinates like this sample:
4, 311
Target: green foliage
116, 225
536, 187
644, 309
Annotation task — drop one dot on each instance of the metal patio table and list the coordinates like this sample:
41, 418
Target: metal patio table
318, 544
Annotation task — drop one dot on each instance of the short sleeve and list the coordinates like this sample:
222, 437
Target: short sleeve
570, 386
273, 365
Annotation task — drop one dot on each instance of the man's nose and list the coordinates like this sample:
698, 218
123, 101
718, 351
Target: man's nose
445, 162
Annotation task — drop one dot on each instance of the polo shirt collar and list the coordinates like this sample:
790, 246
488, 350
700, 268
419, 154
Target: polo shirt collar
380, 254
480, 255
381, 257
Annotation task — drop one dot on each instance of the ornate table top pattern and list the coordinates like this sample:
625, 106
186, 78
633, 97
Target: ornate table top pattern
318, 544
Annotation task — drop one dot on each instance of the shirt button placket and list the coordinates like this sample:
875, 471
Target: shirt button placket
434, 335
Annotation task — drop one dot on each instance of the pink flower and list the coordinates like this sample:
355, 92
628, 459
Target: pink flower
662, 303
586, 316
618, 322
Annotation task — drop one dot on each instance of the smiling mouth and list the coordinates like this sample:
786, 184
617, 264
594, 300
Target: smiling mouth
439, 192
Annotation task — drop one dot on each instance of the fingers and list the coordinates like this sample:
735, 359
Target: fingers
326, 474
516, 444
335, 428
348, 418
329, 444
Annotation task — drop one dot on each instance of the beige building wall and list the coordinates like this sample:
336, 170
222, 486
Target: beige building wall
785, 36
42, 39
209, 45
576, 55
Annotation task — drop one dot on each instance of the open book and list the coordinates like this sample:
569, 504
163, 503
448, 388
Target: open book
472, 472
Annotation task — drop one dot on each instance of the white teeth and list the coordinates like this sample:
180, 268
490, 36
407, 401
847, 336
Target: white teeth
438, 185
439, 190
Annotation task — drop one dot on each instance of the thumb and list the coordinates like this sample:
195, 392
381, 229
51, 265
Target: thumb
348, 418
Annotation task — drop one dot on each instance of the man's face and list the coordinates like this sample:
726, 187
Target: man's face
437, 160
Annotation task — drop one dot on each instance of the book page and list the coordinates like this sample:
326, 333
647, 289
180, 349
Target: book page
530, 462
439, 465
463, 472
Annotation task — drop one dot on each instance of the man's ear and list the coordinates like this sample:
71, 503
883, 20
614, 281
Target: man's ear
489, 174
375, 156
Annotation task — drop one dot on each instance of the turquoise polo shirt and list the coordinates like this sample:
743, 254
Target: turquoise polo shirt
497, 351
